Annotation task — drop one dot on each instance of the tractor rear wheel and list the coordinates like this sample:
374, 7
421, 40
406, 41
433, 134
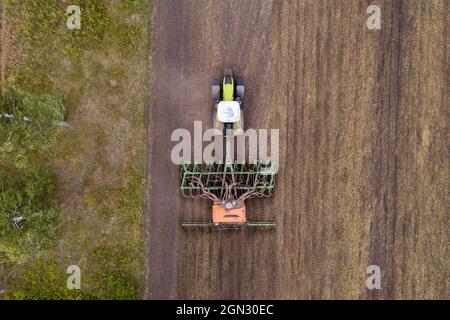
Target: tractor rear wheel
240, 88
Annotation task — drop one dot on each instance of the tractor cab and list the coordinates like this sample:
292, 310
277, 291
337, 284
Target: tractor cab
228, 111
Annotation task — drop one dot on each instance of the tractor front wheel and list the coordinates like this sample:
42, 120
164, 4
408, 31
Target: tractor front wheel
216, 89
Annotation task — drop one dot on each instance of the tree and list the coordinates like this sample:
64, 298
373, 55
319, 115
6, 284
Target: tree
29, 124
29, 215
30, 198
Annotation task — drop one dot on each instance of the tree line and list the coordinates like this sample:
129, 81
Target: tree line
29, 214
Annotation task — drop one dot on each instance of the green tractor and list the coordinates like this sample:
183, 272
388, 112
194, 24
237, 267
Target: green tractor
228, 95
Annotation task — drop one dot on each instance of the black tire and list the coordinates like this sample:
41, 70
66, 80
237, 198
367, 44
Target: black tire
240, 91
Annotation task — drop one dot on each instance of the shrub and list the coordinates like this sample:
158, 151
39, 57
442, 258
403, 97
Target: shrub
27, 195
29, 215
34, 126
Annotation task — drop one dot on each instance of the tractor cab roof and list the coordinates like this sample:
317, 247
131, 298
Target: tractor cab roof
228, 111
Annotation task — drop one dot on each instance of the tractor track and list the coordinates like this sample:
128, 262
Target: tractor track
364, 161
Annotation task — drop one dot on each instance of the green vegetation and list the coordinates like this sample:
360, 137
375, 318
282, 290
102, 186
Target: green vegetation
32, 127
29, 214
97, 164
113, 281
42, 280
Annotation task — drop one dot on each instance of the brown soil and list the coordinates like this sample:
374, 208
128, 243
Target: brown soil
364, 155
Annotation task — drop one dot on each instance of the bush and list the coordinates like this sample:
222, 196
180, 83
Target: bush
34, 127
27, 194
29, 215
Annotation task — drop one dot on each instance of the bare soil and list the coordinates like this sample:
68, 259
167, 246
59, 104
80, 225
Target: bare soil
364, 172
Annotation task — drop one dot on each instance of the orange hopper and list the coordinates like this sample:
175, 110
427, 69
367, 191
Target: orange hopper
222, 215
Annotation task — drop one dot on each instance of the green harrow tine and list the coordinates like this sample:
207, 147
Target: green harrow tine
241, 172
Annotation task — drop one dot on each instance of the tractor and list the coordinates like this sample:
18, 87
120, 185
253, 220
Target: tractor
228, 95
